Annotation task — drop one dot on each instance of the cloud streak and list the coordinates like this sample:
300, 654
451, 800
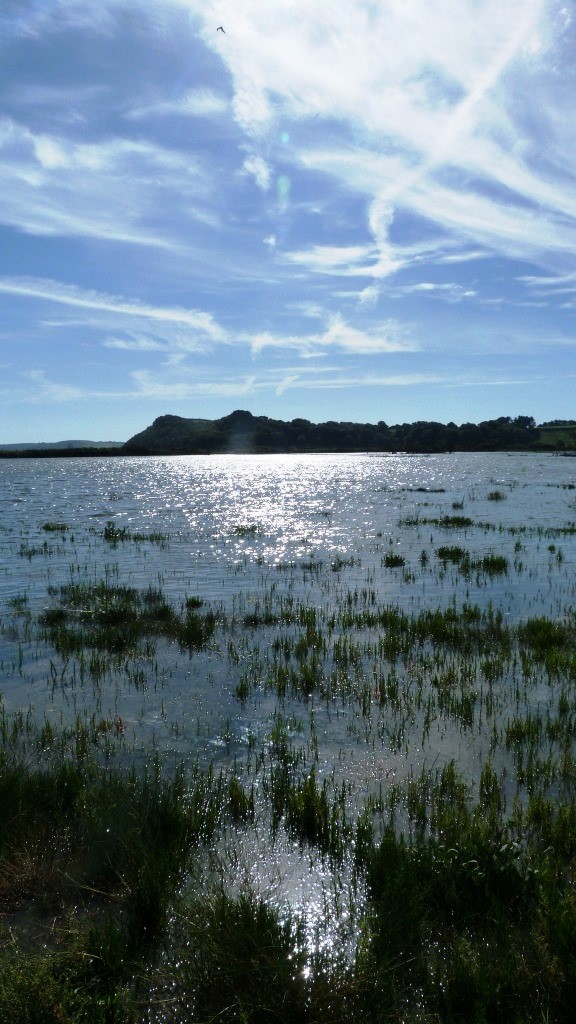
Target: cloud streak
432, 97
104, 190
388, 337
70, 295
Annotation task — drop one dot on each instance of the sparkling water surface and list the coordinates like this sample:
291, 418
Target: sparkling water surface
239, 530
311, 525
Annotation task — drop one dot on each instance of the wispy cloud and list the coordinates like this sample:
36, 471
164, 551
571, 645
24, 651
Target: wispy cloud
387, 337
135, 344
547, 286
432, 95
445, 291
54, 392
260, 170
345, 261
78, 298
194, 103
148, 385
104, 190
31, 20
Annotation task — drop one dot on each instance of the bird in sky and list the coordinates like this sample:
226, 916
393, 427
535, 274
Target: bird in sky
221, 29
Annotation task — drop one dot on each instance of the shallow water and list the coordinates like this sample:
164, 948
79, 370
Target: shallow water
245, 533
238, 527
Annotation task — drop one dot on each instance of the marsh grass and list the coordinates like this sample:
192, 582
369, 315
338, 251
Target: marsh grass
117, 619
93, 859
114, 535
441, 820
393, 560
71, 829
246, 530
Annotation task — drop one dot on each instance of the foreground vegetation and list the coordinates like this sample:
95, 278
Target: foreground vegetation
392, 730
469, 918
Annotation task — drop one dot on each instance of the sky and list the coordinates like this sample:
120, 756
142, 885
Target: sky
354, 210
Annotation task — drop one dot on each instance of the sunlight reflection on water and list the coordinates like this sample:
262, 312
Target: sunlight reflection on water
241, 531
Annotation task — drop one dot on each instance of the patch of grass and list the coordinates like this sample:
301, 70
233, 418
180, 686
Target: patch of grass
246, 530
493, 565
444, 522
454, 522
56, 987
393, 560
115, 535
464, 920
452, 553
116, 619
71, 827
339, 563
101, 854
239, 962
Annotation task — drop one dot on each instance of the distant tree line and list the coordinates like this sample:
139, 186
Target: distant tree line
243, 432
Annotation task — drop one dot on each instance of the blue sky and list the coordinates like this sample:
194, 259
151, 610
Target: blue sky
350, 210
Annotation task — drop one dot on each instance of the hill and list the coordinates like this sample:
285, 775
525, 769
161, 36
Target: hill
241, 432
559, 435
27, 446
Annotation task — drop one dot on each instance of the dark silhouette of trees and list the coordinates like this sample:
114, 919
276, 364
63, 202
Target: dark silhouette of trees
243, 432
240, 431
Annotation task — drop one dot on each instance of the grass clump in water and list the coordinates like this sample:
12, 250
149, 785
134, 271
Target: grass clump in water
71, 830
392, 560
116, 619
240, 962
246, 530
452, 553
543, 635
115, 535
493, 565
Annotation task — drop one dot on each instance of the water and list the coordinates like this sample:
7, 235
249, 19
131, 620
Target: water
327, 505
311, 526
246, 533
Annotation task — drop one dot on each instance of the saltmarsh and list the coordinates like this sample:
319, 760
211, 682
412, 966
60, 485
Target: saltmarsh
288, 739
